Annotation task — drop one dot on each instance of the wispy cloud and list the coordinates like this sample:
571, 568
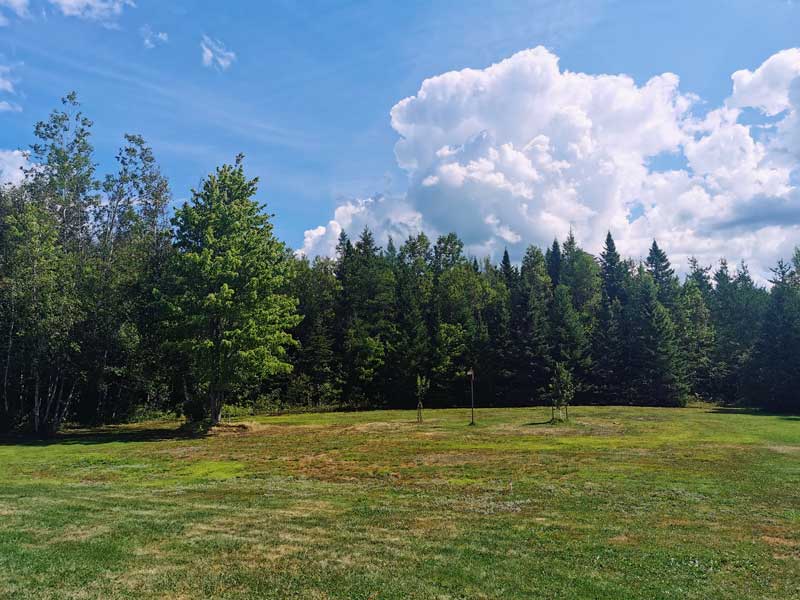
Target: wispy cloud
6, 106
215, 54
18, 7
151, 38
170, 97
7, 87
92, 10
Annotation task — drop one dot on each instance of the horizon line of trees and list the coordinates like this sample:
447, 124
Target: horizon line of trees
108, 307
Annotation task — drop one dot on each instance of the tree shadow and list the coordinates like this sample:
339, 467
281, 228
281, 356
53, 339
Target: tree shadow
534, 423
759, 412
109, 434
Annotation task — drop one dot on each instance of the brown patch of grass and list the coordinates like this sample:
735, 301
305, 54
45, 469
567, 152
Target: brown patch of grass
75, 533
779, 541
622, 539
785, 449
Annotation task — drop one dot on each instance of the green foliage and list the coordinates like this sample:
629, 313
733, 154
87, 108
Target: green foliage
228, 313
561, 390
108, 312
656, 372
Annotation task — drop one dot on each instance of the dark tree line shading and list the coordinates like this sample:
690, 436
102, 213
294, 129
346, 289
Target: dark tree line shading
108, 307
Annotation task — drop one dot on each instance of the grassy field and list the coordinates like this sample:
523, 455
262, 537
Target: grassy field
621, 503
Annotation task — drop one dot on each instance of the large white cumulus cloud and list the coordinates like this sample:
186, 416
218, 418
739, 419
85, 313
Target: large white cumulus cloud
521, 151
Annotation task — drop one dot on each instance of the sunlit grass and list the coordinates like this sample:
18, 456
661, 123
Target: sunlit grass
619, 503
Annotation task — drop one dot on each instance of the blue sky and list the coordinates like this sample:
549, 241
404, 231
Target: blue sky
308, 95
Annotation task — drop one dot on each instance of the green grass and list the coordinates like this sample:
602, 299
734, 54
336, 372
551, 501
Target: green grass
620, 503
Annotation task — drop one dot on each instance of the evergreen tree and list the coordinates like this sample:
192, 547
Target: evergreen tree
775, 360
701, 278
535, 350
368, 308
613, 271
737, 309
610, 367
656, 371
663, 275
568, 337
317, 289
553, 258
695, 332
415, 284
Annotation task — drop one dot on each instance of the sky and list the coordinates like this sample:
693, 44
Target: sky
507, 122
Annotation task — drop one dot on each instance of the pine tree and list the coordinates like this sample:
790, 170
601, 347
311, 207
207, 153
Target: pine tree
663, 275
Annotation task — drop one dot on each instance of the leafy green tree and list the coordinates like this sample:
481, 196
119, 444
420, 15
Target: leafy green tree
64, 175
414, 274
562, 391
460, 296
228, 312
41, 296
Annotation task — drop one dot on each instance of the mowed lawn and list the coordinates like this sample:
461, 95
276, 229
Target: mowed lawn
621, 503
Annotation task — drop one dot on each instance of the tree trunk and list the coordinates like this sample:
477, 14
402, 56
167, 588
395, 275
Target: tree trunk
8, 356
36, 401
217, 400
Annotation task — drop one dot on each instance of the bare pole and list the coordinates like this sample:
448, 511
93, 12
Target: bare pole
471, 374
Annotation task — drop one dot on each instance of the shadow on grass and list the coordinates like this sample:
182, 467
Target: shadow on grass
110, 434
760, 412
533, 424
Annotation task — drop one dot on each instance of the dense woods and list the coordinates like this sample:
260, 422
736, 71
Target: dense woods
109, 307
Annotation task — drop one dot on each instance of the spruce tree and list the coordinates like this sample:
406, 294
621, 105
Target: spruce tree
553, 258
567, 336
613, 271
663, 275
777, 376
535, 327
656, 370
695, 332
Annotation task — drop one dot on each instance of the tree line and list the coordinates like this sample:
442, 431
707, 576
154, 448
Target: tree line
108, 307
